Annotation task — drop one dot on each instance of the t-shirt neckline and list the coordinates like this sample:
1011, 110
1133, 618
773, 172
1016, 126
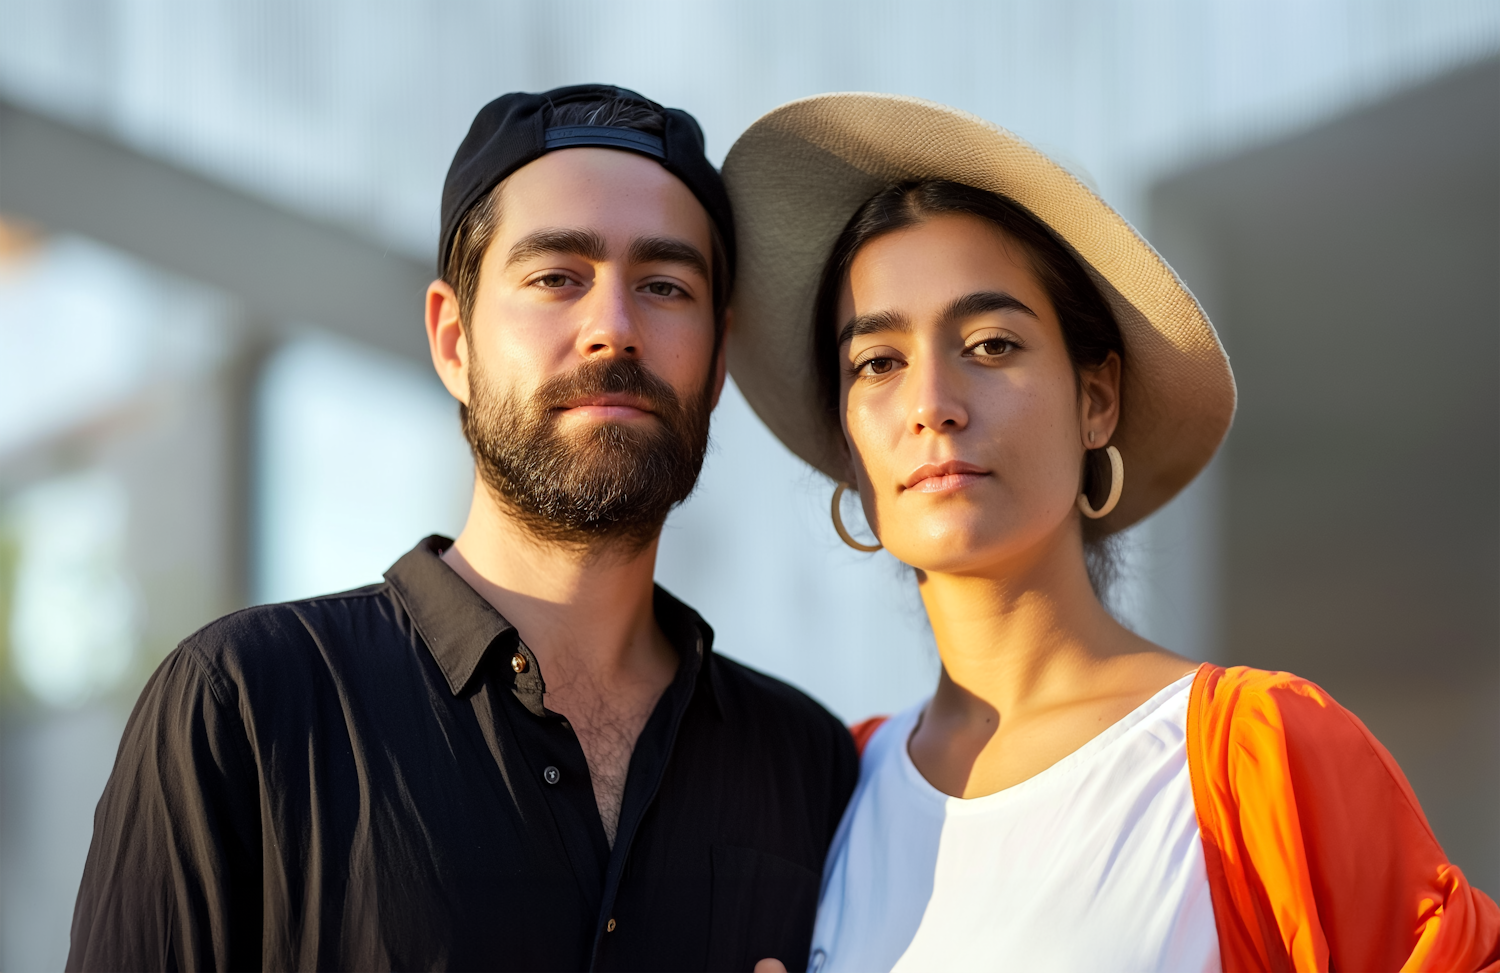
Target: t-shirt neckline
1074, 760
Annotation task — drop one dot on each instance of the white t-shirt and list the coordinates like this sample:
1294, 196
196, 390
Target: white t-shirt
1094, 864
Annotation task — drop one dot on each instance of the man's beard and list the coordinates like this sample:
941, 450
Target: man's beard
607, 484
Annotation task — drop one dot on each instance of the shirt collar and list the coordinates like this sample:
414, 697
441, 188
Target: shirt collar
459, 626
693, 639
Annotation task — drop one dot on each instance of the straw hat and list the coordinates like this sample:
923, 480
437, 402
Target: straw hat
800, 172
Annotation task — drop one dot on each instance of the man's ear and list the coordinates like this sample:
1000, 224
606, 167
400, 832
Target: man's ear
447, 341
721, 361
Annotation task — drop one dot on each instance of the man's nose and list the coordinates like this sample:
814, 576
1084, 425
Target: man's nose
611, 328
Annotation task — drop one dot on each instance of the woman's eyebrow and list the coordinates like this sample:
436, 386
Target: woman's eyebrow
875, 323
981, 302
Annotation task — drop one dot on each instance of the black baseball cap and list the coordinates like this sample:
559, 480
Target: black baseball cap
509, 132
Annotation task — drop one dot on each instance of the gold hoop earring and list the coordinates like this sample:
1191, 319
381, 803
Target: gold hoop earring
838, 524
1116, 487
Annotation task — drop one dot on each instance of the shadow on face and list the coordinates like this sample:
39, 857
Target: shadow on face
964, 416
589, 359
597, 254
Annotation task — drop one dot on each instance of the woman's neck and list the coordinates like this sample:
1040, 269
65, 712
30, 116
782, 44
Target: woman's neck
1033, 668
1025, 630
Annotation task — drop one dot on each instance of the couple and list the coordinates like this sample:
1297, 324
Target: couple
517, 753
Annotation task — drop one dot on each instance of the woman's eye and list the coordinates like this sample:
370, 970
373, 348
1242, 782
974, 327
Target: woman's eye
991, 347
552, 281
877, 366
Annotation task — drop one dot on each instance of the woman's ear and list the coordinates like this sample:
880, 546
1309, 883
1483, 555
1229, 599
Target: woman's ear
1099, 402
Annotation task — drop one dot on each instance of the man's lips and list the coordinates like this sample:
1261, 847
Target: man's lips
608, 407
944, 477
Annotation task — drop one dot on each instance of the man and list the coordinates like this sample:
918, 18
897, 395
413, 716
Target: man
516, 752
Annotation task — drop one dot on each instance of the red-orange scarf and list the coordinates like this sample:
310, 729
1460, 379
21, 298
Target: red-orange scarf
1318, 854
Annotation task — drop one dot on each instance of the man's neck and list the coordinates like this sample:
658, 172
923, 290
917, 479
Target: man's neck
589, 618
583, 612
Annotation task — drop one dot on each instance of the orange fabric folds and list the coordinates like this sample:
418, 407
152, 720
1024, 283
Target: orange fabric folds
1318, 854
863, 730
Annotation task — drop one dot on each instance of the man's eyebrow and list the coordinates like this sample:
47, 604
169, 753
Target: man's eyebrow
876, 323
582, 243
655, 249
981, 302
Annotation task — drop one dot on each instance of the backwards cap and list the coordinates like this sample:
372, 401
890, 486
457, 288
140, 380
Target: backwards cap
509, 132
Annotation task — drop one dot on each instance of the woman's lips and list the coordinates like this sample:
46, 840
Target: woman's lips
944, 477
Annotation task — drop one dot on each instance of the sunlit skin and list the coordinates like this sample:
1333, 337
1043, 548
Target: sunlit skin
542, 310
967, 426
598, 254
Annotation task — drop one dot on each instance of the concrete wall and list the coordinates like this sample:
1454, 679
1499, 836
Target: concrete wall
1354, 272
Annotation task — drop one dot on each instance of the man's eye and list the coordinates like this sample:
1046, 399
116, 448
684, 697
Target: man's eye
662, 289
553, 280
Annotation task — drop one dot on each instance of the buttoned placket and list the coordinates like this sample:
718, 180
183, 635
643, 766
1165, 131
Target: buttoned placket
557, 768
648, 764
571, 792
562, 752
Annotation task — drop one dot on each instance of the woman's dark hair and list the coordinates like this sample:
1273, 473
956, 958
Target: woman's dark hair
1090, 331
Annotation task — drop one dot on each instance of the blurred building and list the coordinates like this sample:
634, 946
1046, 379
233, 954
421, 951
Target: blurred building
1354, 274
217, 218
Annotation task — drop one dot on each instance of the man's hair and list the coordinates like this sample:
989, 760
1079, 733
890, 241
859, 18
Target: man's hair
477, 228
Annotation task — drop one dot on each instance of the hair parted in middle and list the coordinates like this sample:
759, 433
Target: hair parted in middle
1089, 328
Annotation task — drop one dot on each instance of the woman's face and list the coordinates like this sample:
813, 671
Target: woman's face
965, 422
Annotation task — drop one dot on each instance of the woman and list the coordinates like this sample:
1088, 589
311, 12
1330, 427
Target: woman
1007, 374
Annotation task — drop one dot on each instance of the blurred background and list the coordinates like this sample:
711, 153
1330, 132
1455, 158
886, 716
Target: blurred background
217, 218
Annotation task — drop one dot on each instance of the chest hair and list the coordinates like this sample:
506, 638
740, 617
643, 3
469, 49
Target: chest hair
607, 725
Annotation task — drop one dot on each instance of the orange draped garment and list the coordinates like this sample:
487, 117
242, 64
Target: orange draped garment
1318, 854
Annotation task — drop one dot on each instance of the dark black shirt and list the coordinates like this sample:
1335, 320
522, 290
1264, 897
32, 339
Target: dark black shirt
365, 782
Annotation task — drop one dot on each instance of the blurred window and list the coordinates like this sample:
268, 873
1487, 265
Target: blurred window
359, 457
91, 343
74, 616
74, 319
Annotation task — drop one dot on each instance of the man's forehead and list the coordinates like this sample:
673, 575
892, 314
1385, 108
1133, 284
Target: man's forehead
612, 192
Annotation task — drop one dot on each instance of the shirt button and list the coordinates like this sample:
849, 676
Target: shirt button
609, 926
551, 775
518, 663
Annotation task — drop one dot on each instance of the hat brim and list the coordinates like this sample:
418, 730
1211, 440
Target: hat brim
798, 174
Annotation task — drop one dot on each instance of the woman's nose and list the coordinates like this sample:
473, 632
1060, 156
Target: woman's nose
935, 401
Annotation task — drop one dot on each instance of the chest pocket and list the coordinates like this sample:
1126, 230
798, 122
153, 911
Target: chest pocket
763, 906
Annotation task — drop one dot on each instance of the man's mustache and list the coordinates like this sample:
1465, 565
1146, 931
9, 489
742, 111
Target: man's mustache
613, 376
